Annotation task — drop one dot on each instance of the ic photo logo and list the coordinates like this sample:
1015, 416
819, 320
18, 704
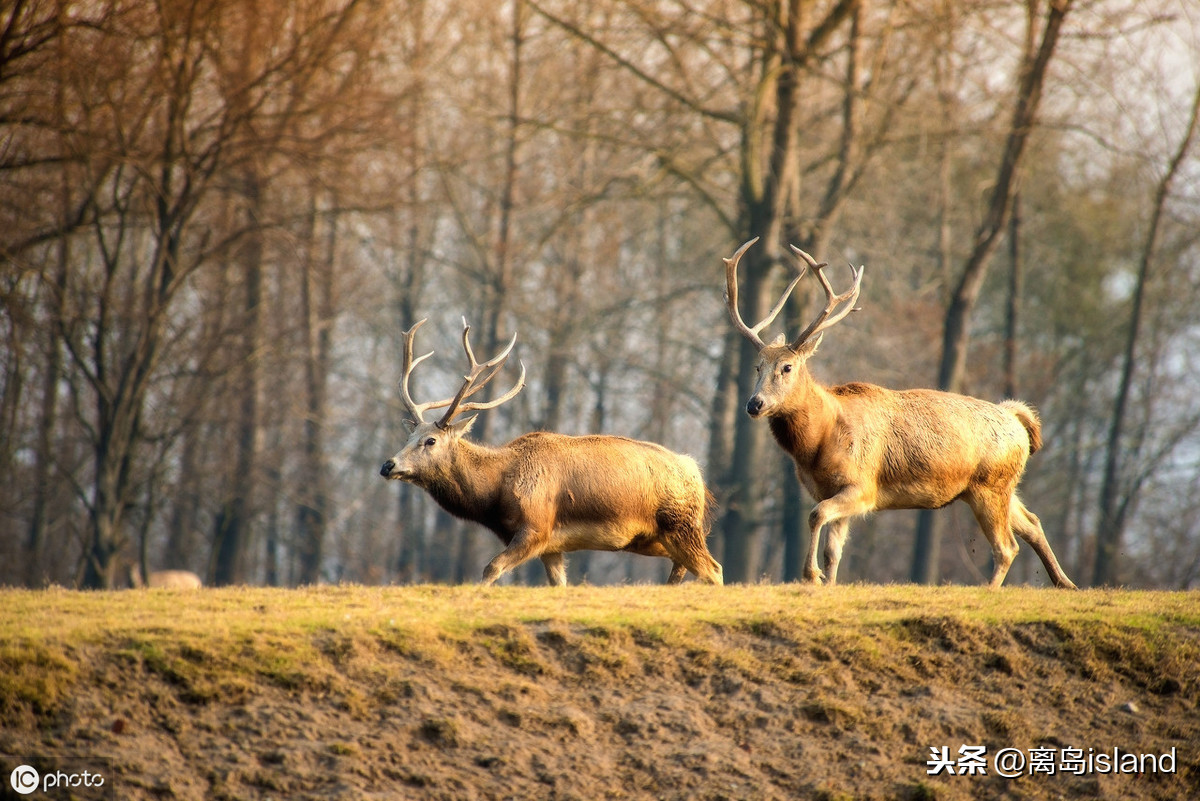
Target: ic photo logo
80, 778
24, 779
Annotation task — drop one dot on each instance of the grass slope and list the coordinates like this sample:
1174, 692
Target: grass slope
749, 692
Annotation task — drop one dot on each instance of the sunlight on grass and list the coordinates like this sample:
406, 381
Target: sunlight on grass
69, 616
448, 664
216, 643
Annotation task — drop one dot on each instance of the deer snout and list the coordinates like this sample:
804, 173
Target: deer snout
754, 406
387, 468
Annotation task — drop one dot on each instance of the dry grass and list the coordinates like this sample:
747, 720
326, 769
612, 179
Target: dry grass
760, 690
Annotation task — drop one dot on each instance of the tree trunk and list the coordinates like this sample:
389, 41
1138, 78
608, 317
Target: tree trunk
496, 301
956, 331
1012, 319
742, 495
794, 511
767, 186
121, 380
1113, 506
409, 561
1012, 311
794, 515
723, 409
233, 520
106, 536
500, 274
956, 325
317, 320
48, 420
181, 544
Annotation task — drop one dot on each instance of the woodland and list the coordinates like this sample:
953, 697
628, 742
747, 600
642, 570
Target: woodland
218, 217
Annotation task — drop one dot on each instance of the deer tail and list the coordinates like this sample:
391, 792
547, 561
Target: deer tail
1029, 419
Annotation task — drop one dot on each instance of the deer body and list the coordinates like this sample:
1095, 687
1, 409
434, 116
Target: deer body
546, 494
165, 579
860, 448
921, 443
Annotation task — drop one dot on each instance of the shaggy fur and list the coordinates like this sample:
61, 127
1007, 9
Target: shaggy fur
859, 447
547, 494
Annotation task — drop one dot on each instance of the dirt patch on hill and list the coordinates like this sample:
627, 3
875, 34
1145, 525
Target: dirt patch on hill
554, 710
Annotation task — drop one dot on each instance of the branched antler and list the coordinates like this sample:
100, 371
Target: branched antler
824, 320
478, 376
731, 298
416, 410
828, 316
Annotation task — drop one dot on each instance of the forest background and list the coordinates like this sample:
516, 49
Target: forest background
217, 217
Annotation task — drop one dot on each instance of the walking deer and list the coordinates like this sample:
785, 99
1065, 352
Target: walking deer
859, 447
546, 494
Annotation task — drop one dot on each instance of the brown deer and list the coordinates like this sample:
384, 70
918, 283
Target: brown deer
859, 447
546, 494
165, 579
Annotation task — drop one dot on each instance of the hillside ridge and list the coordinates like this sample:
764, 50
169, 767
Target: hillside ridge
752, 692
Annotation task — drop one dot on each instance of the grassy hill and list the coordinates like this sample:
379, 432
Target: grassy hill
690, 692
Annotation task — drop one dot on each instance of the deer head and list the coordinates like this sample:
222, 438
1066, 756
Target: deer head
431, 444
782, 371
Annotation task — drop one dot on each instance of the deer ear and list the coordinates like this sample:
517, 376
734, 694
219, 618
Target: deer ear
810, 347
462, 427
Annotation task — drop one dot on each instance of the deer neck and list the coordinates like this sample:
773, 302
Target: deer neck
803, 425
468, 484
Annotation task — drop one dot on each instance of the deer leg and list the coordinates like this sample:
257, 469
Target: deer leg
707, 569
689, 552
556, 569
835, 539
523, 547
991, 511
1027, 526
682, 535
835, 512
812, 571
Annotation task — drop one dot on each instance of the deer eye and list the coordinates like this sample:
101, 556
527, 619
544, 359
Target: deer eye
787, 368
429, 443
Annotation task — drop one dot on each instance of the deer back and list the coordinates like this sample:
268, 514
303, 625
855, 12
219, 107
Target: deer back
600, 477
919, 448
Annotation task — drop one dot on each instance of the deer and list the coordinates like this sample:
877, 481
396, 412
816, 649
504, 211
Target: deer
165, 579
859, 447
546, 494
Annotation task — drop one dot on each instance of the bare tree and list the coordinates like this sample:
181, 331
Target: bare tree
956, 326
176, 175
1116, 500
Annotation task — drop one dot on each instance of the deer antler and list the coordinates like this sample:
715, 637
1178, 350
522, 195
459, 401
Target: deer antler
832, 301
472, 382
417, 410
731, 298
477, 378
